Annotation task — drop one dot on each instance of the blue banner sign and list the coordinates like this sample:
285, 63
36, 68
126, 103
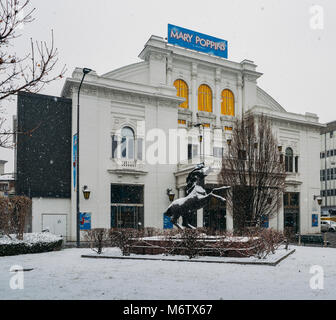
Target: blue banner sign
85, 221
314, 220
197, 41
74, 157
167, 224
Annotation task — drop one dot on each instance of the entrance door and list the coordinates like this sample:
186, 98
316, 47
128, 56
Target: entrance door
55, 223
292, 212
126, 216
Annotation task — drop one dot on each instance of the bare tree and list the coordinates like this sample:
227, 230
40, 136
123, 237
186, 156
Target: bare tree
30, 72
255, 172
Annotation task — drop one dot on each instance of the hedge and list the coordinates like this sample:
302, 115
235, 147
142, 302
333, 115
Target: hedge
12, 249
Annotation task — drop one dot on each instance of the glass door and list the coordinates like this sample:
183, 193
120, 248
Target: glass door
126, 216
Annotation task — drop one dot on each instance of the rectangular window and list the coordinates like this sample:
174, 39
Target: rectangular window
194, 150
331, 153
114, 146
189, 151
181, 121
322, 155
241, 154
296, 164
328, 153
139, 148
218, 152
331, 134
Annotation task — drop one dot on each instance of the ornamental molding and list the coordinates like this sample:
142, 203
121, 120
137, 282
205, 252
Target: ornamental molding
158, 96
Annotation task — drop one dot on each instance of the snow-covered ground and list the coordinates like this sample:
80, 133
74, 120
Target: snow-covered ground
65, 275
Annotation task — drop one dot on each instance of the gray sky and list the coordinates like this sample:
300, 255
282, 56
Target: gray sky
298, 61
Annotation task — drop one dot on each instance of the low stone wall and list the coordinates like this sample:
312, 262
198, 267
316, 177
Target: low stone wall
205, 247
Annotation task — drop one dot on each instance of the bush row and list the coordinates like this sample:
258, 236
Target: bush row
12, 249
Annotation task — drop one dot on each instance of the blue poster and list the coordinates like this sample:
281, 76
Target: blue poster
85, 221
197, 41
74, 157
314, 220
167, 224
264, 222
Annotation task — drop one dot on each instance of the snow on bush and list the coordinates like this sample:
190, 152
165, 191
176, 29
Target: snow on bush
31, 243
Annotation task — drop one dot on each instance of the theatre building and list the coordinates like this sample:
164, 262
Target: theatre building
131, 160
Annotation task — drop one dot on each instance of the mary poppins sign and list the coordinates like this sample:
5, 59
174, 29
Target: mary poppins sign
197, 41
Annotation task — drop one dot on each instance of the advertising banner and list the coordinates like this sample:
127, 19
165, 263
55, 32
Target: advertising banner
197, 41
74, 157
314, 220
85, 221
167, 224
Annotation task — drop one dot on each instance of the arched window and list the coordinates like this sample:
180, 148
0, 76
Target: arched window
127, 143
204, 98
289, 160
183, 92
228, 103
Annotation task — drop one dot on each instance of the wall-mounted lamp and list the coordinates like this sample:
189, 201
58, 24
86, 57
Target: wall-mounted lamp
319, 199
171, 194
86, 192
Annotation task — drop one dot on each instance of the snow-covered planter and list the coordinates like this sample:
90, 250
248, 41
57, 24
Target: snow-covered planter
31, 243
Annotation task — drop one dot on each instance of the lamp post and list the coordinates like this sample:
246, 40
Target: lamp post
201, 139
85, 72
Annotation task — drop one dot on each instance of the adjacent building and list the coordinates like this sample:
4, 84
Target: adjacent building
328, 167
7, 181
139, 139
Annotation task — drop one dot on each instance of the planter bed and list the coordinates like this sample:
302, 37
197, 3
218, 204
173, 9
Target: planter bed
237, 246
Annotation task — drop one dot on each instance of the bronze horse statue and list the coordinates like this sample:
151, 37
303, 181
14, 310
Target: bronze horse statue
196, 197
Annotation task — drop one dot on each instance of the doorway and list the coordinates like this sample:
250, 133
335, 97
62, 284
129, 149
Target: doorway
127, 216
292, 212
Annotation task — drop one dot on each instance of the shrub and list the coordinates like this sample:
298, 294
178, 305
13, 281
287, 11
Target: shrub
266, 241
12, 249
122, 238
97, 238
13, 213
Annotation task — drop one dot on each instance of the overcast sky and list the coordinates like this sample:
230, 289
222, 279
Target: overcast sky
292, 46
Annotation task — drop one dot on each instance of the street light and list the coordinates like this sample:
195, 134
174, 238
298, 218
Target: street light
85, 72
319, 199
171, 194
86, 193
201, 139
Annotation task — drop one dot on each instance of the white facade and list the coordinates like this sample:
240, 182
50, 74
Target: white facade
142, 97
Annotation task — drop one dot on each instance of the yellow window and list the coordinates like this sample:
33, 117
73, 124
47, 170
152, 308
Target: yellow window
204, 98
227, 103
182, 91
180, 121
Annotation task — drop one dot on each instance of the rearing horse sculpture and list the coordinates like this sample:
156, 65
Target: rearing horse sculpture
196, 198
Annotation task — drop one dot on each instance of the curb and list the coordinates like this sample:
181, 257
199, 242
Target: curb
273, 264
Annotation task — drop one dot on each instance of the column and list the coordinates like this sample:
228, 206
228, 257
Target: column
169, 71
194, 100
217, 100
239, 99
